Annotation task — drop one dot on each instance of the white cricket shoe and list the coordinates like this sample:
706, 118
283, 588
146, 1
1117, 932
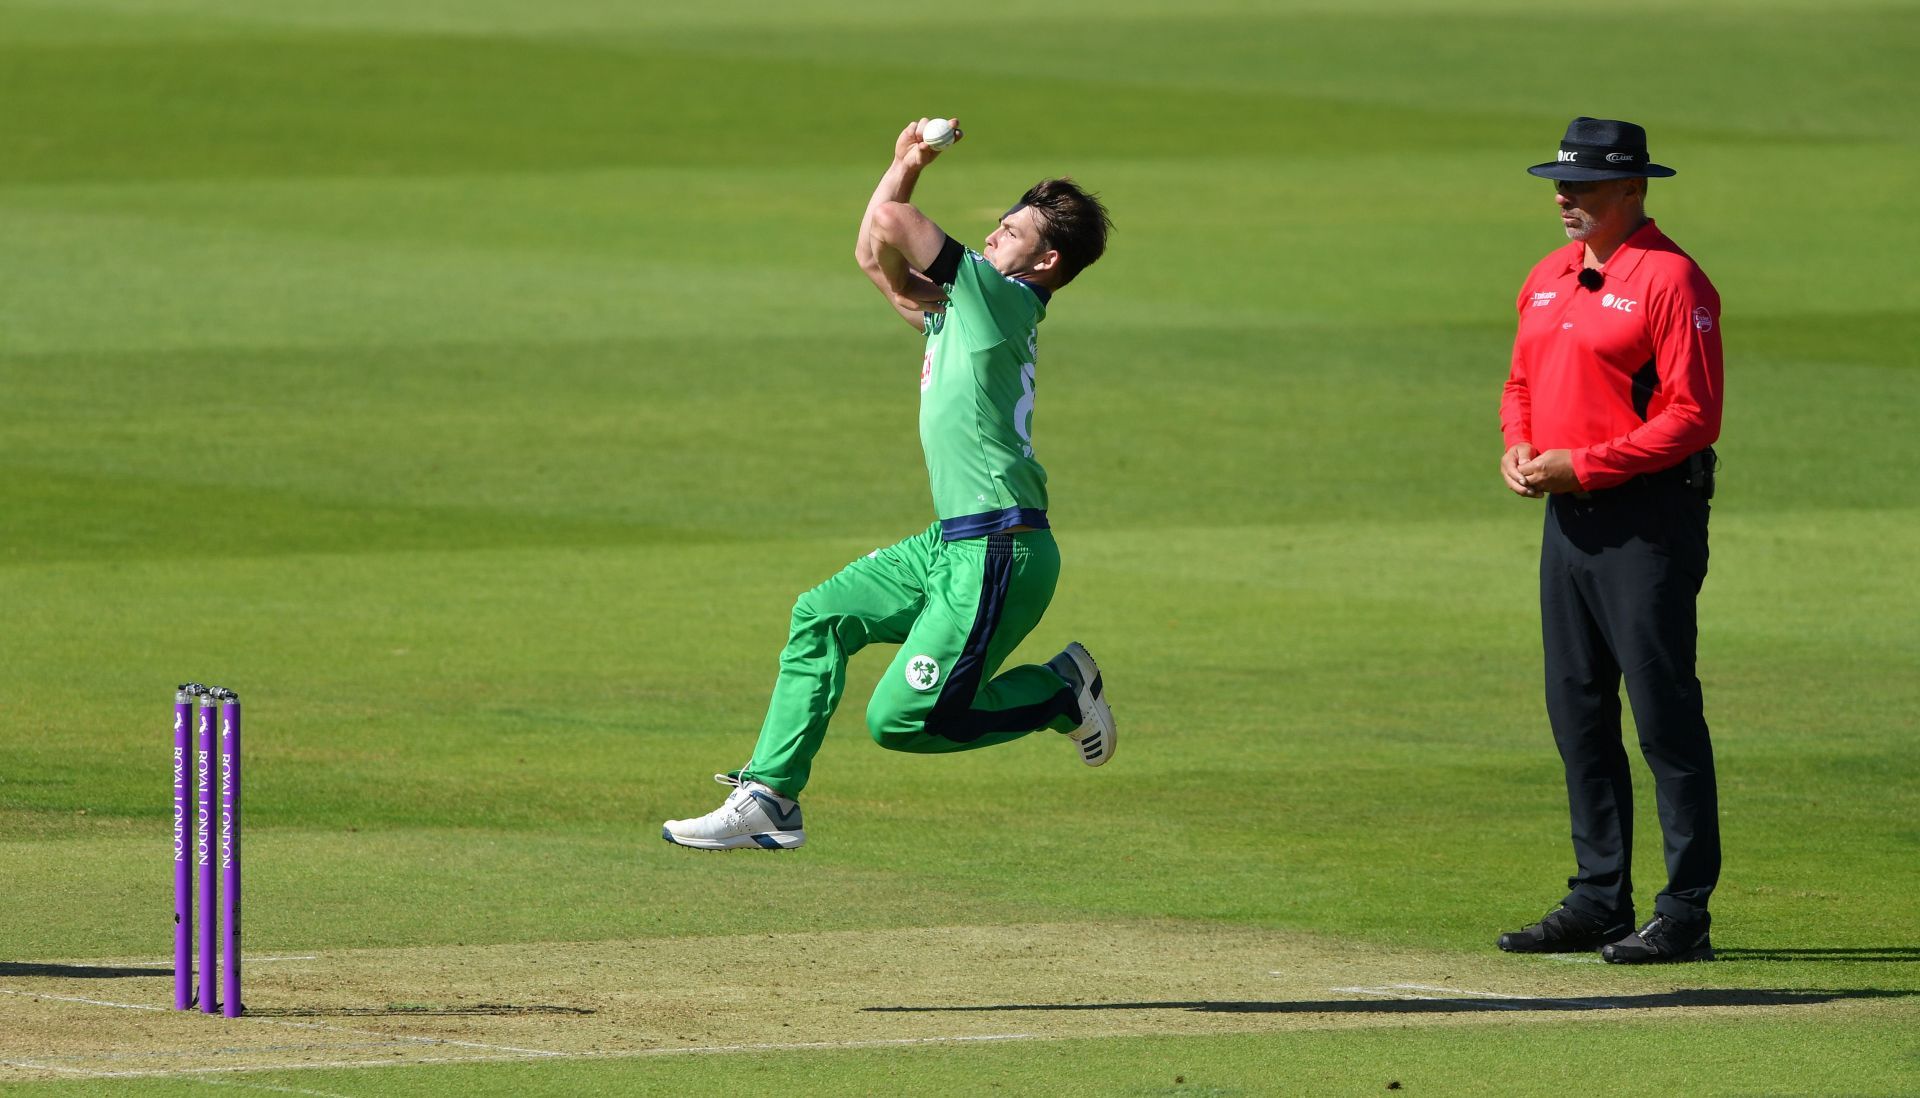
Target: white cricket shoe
1095, 734
751, 816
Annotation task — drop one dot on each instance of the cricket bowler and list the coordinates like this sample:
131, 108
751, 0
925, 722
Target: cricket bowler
959, 596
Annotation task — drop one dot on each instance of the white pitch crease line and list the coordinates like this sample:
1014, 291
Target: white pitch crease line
628, 1054
1587, 1003
244, 959
1457, 991
75, 999
52, 1067
1392, 993
1497, 999
407, 1037
167, 963
232, 1050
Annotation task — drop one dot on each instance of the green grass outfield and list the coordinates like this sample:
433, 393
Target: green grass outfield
474, 383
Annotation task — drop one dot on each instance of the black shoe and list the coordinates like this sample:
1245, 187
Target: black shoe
1564, 931
1664, 940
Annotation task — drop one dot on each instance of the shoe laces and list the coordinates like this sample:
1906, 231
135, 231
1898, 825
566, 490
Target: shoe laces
1669, 935
733, 808
741, 799
1659, 931
1566, 920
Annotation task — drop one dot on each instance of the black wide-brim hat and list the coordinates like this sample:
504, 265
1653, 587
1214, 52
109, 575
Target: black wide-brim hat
1602, 148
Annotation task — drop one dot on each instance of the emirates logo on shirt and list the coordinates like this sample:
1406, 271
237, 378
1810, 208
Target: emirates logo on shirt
1702, 319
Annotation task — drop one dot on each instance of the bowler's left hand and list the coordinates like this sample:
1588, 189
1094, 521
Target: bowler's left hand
1551, 472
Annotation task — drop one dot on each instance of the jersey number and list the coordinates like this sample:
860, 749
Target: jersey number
1023, 411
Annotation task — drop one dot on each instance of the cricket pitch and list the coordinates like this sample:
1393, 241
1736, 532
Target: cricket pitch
109, 1018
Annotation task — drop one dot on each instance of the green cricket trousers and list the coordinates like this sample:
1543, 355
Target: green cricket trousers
957, 609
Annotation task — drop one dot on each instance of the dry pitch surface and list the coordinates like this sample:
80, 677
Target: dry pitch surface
655, 997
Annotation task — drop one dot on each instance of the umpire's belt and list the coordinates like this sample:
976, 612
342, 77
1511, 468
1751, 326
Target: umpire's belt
1696, 472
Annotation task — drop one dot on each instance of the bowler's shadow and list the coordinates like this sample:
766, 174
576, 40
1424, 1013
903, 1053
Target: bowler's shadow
77, 972
1701, 997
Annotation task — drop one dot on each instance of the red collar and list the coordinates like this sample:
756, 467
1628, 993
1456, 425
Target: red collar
1625, 258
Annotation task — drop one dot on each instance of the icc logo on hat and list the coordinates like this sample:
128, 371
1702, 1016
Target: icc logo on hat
1602, 148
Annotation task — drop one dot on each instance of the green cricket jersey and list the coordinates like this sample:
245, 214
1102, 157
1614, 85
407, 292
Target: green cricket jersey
976, 398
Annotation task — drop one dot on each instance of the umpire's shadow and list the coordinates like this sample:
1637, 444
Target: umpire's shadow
1870, 954
1700, 997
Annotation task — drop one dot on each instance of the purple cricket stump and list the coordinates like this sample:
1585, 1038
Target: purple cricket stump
182, 866
230, 853
203, 857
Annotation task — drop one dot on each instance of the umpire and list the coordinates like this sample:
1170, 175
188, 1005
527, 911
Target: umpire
1610, 412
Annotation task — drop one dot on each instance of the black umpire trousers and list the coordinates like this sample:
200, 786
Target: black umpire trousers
1620, 570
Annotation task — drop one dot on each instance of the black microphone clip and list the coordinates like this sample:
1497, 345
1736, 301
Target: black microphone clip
1591, 278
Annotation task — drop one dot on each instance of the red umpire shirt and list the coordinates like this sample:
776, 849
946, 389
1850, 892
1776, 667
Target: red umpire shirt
1623, 369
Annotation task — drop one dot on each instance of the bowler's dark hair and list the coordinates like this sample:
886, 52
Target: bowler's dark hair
1074, 222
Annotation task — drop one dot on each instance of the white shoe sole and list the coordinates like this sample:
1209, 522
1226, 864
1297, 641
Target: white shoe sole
1095, 736
766, 840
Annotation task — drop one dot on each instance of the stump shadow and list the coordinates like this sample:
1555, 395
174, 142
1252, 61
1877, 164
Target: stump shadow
79, 972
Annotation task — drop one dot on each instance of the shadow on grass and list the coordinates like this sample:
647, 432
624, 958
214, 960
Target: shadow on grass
416, 1010
78, 972
1861, 953
1702, 997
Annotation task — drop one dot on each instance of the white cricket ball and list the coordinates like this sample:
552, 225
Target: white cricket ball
938, 132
